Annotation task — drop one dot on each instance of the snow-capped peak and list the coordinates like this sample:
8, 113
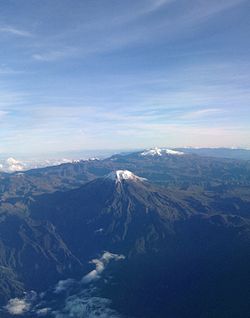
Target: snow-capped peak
161, 151
120, 175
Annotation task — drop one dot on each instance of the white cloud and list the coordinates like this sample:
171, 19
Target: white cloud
17, 306
86, 304
12, 165
43, 312
12, 161
79, 301
63, 285
100, 265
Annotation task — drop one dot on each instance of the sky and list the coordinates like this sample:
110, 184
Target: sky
114, 74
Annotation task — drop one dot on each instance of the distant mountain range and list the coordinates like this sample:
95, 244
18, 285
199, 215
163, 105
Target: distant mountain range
10, 164
142, 234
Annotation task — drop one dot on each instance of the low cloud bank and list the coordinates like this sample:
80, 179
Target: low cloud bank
86, 305
13, 165
69, 297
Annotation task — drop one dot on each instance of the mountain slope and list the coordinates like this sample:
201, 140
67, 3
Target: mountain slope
175, 254
180, 251
32, 255
111, 212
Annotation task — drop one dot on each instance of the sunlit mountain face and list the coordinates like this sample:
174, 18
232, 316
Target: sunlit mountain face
154, 233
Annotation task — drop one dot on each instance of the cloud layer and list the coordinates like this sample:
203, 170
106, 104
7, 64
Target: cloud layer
69, 297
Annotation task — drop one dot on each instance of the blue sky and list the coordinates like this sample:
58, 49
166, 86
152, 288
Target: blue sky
89, 74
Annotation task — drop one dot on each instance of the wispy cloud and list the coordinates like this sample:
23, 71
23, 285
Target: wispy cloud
56, 55
128, 29
3, 114
8, 71
15, 31
202, 113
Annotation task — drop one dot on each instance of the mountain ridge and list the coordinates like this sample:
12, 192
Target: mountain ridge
191, 228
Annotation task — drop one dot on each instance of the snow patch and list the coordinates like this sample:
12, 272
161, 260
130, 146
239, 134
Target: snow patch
120, 175
161, 151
